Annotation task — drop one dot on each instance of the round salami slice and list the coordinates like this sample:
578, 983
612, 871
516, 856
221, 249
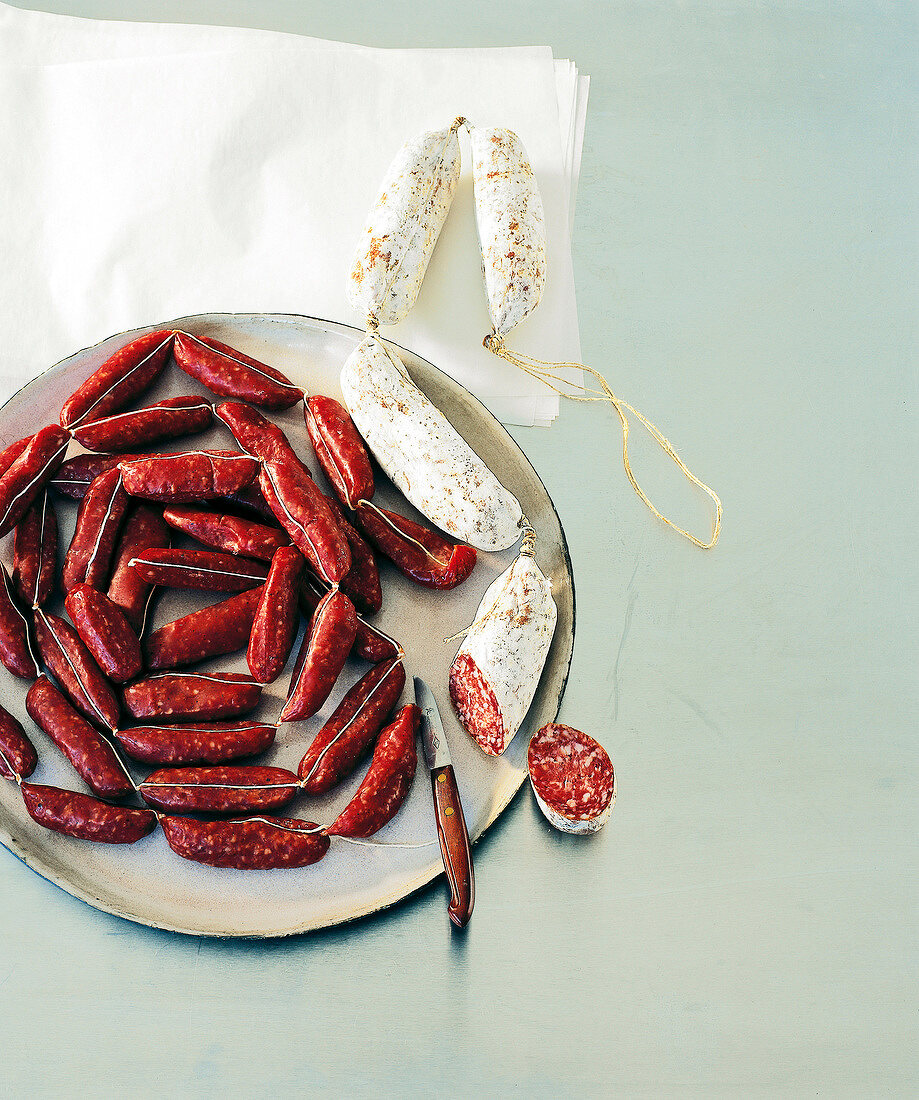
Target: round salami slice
572, 777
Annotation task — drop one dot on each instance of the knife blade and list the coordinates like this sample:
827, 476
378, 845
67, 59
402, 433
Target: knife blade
448, 809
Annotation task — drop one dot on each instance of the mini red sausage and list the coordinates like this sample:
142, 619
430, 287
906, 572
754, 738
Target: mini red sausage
15, 640
349, 733
211, 632
424, 555
75, 476
340, 449
29, 473
257, 843
362, 581
99, 520
85, 817
35, 552
122, 377
72, 665
370, 643
106, 633
187, 477
388, 780
254, 433
205, 696
144, 529
198, 743
203, 569
305, 515
9, 454
230, 373
227, 533
85, 748
325, 649
126, 431
224, 789
275, 624
17, 753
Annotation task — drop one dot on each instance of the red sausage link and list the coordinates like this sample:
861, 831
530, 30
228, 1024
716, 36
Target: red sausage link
188, 477
102, 511
71, 664
199, 743
126, 431
225, 789
85, 748
230, 373
76, 475
203, 569
15, 641
106, 633
254, 433
28, 475
143, 530
370, 643
349, 733
211, 632
17, 753
228, 533
275, 625
340, 449
424, 555
362, 582
121, 378
305, 515
205, 696
259, 843
9, 454
387, 782
325, 649
35, 552
85, 817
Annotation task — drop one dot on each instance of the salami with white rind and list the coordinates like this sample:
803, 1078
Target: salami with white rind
572, 777
403, 226
496, 670
421, 451
511, 225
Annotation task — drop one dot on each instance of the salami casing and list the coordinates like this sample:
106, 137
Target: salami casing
403, 226
496, 671
511, 224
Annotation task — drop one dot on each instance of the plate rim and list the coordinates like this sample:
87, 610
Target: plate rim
426, 876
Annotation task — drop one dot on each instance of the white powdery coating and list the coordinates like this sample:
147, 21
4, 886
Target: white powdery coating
421, 451
511, 224
510, 638
403, 226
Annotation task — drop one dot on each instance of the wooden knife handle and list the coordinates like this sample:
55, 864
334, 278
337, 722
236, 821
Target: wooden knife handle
454, 844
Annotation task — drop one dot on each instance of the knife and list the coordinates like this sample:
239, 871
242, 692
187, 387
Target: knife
448, 810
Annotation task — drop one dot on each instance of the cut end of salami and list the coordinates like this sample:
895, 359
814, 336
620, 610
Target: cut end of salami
477, 706
572, 777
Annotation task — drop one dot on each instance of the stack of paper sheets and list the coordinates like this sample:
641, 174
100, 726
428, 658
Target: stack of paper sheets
153, 171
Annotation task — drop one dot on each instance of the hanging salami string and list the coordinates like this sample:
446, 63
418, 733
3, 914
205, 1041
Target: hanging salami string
512, 238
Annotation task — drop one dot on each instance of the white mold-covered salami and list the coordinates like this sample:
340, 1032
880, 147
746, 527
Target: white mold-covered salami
423, 453
511, 224
496, 670
403, 226
572, 777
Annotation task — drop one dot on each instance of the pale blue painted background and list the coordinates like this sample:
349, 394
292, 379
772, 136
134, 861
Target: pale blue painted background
746, 261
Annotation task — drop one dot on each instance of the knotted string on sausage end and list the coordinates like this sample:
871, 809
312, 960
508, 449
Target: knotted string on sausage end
549, 374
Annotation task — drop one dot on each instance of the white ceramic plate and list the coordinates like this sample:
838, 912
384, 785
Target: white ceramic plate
147, 882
